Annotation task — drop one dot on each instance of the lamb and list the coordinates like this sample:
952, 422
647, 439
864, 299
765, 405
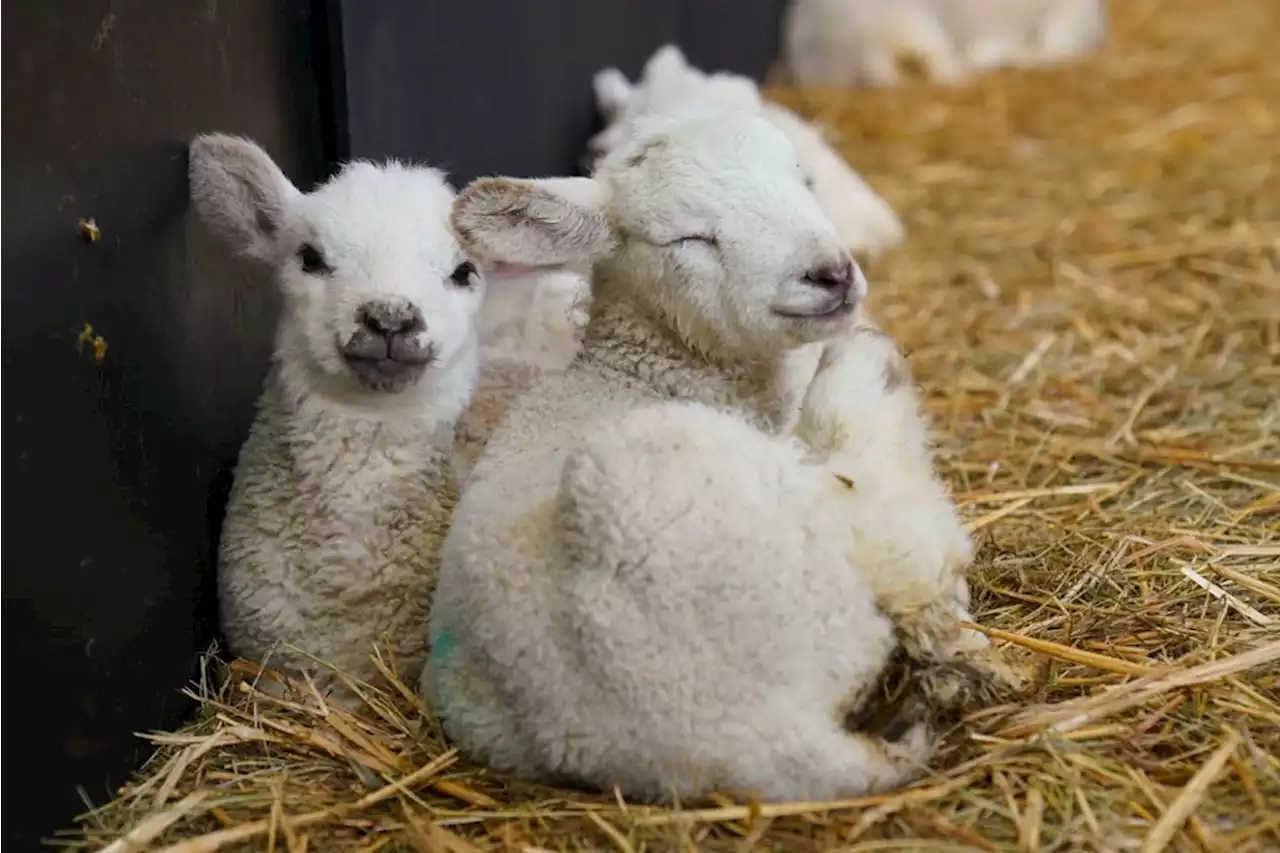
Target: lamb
651, 582
530, 323
864, 221
344, 487
842, 43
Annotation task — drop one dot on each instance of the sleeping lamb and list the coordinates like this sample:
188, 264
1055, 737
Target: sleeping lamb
650, 583
344, 488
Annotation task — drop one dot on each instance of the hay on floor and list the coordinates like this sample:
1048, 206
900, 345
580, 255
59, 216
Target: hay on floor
1091, 298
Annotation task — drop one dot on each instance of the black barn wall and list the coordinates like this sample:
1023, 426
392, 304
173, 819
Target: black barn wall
504, 86
116, 469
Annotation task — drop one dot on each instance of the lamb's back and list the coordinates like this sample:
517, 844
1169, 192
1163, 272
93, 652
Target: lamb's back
525, 454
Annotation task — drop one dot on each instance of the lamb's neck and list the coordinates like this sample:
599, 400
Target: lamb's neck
312, 424
622, 339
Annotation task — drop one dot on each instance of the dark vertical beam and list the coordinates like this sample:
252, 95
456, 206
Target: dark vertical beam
330, 75
115, 461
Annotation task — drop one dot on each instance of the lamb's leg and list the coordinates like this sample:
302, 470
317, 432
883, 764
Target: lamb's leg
831, 761
861, 415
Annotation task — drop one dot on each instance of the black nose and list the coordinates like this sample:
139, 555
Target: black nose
832, 276
390, 318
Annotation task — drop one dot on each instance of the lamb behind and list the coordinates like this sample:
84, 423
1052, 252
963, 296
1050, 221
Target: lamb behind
648, 584
864, 221
344, 488
531, 323
843, 43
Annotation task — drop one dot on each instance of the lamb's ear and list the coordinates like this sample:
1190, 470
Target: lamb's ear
239, 191
548, 222
667, 61
613, 90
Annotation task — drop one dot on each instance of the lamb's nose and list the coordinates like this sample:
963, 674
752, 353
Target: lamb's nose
390, 319
839, 276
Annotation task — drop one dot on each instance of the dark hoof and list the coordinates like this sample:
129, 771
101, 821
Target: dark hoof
910, 693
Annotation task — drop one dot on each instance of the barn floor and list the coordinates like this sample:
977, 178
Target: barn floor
1091, 298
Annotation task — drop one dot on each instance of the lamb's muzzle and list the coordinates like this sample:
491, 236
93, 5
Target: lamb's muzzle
390, 350
839, 285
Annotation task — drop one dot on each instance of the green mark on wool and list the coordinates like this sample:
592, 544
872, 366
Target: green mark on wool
444, 643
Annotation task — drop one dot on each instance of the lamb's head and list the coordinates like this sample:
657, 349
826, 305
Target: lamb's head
379, 296
702, 219
668, 82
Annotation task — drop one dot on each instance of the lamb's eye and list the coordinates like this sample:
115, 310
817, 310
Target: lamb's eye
311, 259
808, 182
464, 275
708, 239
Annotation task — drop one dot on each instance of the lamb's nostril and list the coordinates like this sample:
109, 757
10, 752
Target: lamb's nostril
405, 347
387, 319
832, 276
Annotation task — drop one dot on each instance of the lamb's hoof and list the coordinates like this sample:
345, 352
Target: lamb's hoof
889, 721
955, 687
911, 693
895, 705
1008, 680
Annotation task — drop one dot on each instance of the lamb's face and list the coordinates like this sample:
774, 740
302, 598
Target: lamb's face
379, 295
703, 216
377, 289
718, 231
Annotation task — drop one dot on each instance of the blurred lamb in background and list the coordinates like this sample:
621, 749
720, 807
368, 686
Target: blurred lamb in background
863, 219
845, 43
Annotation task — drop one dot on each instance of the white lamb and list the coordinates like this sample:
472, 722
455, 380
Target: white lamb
844, 43
864, 221
344, 488
648, 584
530, 323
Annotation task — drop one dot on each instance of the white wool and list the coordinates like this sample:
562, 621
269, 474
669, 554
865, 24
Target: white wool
344, 487
842, 43
530, 324
650, 583
863, 220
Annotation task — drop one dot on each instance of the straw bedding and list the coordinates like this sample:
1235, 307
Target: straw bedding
1091, 299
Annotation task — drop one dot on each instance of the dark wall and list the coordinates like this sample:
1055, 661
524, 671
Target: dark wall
111, 466
504, 86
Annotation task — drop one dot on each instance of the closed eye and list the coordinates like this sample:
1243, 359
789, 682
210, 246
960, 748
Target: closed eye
708, 239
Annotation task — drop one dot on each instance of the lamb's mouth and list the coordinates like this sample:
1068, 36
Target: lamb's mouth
389, 373
836, 310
